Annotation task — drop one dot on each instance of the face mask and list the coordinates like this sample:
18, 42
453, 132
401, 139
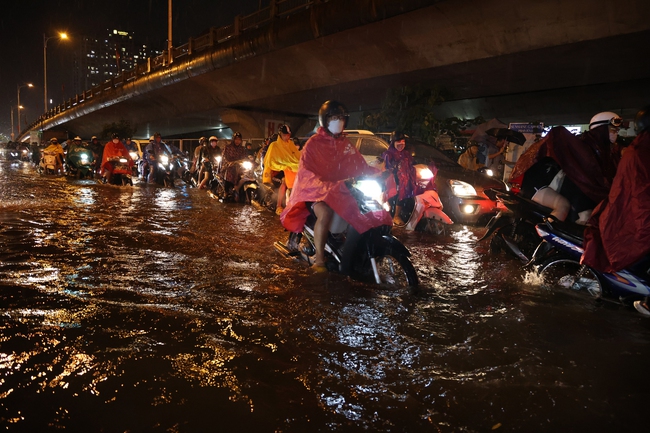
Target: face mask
115, 140
336, 126
613, 136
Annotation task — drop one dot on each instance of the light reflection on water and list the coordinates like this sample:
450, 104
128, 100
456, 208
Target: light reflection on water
151, 309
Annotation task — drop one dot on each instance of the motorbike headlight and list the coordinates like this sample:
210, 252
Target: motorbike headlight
164, 159
84, 157
24, 150
133, 155
369, 188
247, 165
462, 189
426, 174
489, 172
123, 160
218, 159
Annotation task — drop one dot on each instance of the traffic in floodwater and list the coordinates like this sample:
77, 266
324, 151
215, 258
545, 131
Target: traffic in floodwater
147, 308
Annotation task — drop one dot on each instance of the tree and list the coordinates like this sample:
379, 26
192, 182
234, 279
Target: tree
410, 109
123, 128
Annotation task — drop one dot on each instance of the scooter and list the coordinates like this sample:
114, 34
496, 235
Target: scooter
121, 172
557, 260
513, 228
80, 163
49, 163
375, 255
425, 212
246, 188
169, 168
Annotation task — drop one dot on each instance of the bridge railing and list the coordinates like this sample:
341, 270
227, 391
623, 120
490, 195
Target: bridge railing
277, 8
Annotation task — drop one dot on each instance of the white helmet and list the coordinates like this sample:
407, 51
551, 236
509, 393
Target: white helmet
605, 118
213, 138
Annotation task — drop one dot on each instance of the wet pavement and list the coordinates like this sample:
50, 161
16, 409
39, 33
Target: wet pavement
151, 309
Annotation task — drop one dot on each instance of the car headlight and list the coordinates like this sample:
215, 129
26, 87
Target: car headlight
164, 159
462, 189
133, 155
369, 188
247, 165
426, 174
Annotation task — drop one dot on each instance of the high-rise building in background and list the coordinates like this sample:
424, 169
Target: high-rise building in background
103, 58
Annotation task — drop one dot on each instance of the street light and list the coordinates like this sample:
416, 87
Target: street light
18, 91
45, 39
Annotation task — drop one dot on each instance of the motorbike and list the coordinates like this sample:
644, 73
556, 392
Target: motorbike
168, 168
25, 153
49, 163
121, 172
557, 260
512, 229
135, 169
246, 188
375, 255
80, 163
424, 211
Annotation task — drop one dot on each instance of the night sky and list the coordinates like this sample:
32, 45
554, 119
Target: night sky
23, 23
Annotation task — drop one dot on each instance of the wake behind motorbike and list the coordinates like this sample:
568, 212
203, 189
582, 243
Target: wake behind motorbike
557, 260
374, 256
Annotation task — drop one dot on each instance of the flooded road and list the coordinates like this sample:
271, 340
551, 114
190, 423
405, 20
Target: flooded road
152, 309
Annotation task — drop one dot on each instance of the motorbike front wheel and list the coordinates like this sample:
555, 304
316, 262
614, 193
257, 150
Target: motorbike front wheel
396, 270
560, 272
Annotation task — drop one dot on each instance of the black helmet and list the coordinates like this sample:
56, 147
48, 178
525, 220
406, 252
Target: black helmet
284, 129
397, 136
642, 120
115, 135
236, 135
332, 108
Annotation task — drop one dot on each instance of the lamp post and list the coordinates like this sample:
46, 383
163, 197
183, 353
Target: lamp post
12, 123
45, 39
18, 91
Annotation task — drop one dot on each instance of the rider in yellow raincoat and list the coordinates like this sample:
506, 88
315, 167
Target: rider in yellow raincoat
282, 155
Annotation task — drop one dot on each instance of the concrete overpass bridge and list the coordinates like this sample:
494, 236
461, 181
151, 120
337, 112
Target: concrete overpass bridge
544, 60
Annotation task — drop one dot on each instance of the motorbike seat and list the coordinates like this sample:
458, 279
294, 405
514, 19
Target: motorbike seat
571, 231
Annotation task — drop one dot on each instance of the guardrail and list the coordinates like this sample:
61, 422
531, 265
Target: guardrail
215, 36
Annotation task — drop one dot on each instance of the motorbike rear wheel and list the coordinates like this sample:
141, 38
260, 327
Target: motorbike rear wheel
563, 273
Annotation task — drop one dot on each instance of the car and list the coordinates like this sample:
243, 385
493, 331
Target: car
468, 197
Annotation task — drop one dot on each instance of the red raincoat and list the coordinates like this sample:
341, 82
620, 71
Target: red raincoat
113, 150
576, 156
325, 163
618, 233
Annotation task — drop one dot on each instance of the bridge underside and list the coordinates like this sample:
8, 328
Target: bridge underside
561, 67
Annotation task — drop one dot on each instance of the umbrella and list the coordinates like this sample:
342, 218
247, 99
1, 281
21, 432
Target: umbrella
510, 135
479, 134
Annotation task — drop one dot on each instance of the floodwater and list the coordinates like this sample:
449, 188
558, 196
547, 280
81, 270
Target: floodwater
151, 309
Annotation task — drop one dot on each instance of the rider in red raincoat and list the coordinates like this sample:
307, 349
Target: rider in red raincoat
112, 150
618, 233
327, 160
